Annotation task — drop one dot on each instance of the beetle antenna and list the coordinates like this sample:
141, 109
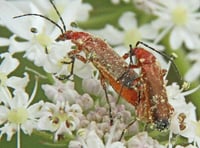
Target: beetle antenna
50, 20
35, 14
58, 13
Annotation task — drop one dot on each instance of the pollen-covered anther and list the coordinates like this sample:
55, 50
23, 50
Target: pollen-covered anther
185, 85
55, 120
67, 123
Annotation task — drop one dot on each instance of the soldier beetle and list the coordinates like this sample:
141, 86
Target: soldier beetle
153, 103
112, 67
146, 90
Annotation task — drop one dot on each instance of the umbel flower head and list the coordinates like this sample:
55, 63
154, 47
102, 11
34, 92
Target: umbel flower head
84, 111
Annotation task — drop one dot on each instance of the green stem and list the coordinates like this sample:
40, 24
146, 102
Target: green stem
18, 136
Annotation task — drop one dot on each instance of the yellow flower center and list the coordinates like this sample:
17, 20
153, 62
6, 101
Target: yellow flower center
43, 39
179, 16
132, 36
18, 116
61, 117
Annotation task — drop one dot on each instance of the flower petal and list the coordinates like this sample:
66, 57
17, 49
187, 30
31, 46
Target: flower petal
111, 34
193, 72
9, 63
176, 39
15, 46
9, 129
4, 41
35, 109
116, 145
28, 126
93, 140
20, 99
148, 31
128, 21
3, 114
17, 26
17, 82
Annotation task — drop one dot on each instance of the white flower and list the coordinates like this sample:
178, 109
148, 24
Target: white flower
65, 9
60, 118
182, 122
84, 70
91, 140
16, 113
181, 17
85, 101
184, 118
131, 32
12, 44
70, 11
18, 82
61, 91
4, 41
142, 140
93, 87
8, 65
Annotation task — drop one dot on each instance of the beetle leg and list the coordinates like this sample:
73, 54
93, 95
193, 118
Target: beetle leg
74, 54
124, 130
66, 77
103, 83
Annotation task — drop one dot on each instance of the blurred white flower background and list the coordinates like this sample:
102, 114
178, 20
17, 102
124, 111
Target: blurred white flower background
39, 109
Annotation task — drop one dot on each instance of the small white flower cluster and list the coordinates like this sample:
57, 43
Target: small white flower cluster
184, 121
77, 111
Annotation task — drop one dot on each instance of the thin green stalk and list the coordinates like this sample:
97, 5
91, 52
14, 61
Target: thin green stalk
18, 136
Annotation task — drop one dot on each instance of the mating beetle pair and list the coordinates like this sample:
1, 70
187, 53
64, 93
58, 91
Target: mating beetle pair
146, 90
